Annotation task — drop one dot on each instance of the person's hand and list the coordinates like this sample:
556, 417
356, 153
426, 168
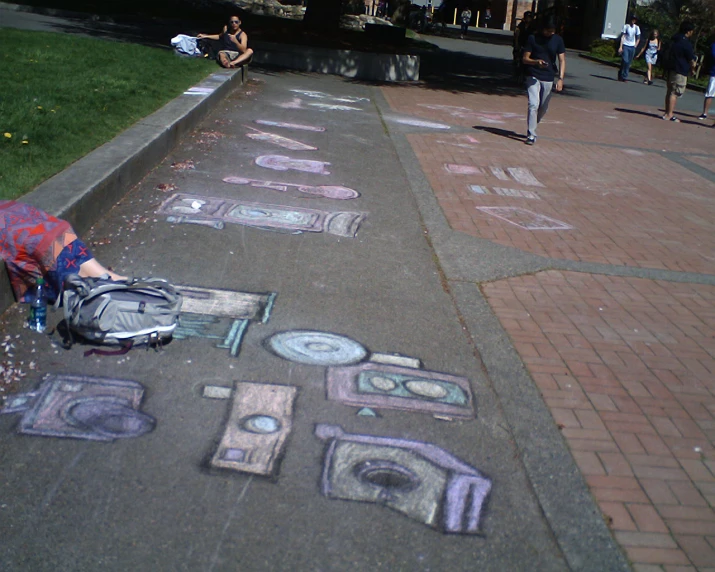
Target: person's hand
542, 63
199, 36
559, 84
620, 51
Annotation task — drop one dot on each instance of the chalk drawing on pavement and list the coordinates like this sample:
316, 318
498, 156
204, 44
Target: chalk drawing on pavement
261, 215
479, 189
420, 480
282, 163
227, 303
297, 126
467, 142
228, 333
258, 426
316, 348
417, 122
517, 193
327, 191
383, 386
321, 95
279, 140
82, 407
520, 175
525, 219
463, 169
334, 107
493, 117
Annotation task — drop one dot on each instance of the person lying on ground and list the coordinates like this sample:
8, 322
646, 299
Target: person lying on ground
234, 51
34, 244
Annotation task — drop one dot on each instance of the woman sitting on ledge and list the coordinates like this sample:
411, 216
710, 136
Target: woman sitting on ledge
34, 244
234, 50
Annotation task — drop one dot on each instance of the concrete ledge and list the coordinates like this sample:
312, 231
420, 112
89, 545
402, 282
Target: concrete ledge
88, 188
346, 63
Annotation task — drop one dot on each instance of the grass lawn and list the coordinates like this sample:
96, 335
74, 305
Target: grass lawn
64, 95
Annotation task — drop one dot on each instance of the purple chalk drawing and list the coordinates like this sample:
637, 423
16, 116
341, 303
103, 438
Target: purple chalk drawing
279, 140
82, 407
463, 169
418, 122
297, 126
525, 219
261, 215
327, 191
420, 480
379, 386
282, 163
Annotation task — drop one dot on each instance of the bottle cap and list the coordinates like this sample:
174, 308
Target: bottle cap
40, 280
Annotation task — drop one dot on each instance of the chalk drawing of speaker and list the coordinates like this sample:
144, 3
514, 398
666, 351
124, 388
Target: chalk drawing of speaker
420, 480
82, 407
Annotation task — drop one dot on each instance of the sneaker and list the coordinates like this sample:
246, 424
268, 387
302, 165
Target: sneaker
530, 140
703, 116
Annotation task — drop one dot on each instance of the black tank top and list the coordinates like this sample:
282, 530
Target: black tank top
227, 42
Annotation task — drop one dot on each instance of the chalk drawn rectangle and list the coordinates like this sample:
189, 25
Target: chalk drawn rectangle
249, 450
504, 192
224, 303
463, 169
261, 215
525, 219
49, 416
524, 176
479, 190
388, 386
396, 359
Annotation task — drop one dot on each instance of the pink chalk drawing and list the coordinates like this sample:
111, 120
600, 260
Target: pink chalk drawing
518, 193
494, 117
279, 140
525, 219
327, 191
469, 142
282, 163
418, 122
463, 169
297, 126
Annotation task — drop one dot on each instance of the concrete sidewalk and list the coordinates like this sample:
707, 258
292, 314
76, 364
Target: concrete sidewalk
564, 291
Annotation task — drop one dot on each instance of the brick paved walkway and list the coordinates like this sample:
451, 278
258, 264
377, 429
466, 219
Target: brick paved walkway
626, 365
624, 206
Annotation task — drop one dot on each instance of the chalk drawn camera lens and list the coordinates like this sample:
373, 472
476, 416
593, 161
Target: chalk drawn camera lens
261, 424
316, 348
386, 475
382, 383
427, 389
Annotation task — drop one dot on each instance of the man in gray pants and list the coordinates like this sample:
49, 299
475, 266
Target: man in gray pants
540, 53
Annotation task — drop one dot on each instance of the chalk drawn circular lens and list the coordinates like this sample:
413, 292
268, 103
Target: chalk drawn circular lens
382, 383
386, 475
109, 418
317, 348
261, 424
428, 389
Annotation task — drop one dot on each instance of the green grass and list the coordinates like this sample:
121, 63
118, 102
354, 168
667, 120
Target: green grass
62, 96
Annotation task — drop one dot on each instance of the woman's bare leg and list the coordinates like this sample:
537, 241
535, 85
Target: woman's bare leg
93, 269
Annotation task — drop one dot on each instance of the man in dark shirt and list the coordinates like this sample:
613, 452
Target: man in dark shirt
684, 60
540, 53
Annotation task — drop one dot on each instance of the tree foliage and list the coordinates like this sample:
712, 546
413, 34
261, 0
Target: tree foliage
667, 15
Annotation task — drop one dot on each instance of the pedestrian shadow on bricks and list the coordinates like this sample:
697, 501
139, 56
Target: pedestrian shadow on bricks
500, 132
659, 114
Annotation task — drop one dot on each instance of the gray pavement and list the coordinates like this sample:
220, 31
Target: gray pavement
152, 503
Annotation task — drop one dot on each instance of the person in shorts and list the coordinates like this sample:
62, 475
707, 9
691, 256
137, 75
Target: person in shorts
684, 60
234, 50
710, 92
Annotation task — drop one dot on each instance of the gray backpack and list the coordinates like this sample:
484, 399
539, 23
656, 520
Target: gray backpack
123, 313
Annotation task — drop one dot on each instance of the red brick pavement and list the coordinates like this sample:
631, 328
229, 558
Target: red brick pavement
626, 206
627, 368
626, 365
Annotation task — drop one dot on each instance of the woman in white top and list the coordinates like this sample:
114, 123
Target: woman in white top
651, 50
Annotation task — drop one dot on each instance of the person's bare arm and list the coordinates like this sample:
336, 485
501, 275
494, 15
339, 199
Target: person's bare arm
562, 72
620, 44
207, 36
526, 60
241, 45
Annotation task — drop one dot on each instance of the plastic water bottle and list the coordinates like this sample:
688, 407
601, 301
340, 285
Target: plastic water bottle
38, 307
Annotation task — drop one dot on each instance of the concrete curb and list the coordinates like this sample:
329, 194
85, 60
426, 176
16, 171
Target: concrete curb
86, 189
346, 63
